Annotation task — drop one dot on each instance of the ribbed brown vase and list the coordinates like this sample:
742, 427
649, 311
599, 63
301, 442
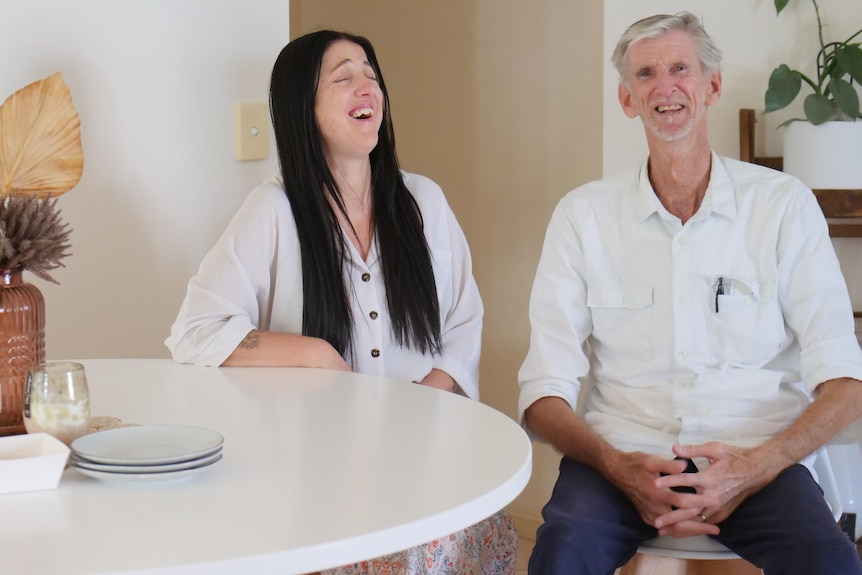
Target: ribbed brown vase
22, 343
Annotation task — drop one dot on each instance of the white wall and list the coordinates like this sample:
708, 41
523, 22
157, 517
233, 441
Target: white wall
155, 84
754, 41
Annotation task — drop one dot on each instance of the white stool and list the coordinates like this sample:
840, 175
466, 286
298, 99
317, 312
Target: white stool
671, 556
689, 556
701, 547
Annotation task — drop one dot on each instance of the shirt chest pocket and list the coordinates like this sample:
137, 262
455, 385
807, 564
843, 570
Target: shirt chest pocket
622, 317
747, 323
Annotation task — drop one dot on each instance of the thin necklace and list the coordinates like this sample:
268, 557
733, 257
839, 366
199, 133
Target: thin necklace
363, 203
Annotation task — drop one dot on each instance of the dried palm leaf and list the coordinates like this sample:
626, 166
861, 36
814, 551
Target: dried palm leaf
40, 140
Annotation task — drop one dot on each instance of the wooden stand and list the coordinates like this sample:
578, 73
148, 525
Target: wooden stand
842, 208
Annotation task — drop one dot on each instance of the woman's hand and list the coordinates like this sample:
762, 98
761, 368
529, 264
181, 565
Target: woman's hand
440, 380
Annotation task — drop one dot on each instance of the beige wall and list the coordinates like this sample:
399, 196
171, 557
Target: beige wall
488, 99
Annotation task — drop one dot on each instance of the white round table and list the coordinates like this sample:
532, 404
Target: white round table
320, 469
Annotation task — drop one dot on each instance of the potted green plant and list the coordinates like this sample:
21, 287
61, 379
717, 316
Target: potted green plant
839, 64
823, 147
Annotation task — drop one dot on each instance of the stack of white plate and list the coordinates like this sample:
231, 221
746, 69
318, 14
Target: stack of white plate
146, 452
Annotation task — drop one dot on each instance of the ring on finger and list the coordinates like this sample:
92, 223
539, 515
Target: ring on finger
702, 516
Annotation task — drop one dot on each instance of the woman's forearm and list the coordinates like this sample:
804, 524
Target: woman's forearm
271, 349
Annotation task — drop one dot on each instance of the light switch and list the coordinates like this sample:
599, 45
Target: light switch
252, 131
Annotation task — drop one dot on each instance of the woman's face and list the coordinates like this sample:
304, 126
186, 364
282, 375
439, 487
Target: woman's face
349, 103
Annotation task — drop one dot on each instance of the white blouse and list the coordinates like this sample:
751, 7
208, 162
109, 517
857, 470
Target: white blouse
252, 279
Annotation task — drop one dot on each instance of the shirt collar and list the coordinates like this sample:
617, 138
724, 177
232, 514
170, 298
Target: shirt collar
354, 258
720, 197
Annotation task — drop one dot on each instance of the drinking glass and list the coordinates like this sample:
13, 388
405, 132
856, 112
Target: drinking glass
56, 400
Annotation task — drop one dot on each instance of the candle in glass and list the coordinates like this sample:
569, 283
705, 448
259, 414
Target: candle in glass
56, 400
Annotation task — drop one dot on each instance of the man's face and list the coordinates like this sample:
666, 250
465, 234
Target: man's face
666, 86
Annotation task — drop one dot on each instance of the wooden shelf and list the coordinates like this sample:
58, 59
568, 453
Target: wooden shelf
843, 208
844, 228
840, 203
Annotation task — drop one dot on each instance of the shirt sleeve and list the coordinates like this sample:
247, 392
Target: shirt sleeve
231, 293
461, 308
560, 321
814, 296
461, 329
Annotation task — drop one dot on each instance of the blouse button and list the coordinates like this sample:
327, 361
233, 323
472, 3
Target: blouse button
375, 352
366, 277
373, 315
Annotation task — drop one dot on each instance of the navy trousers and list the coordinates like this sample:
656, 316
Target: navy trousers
591, 527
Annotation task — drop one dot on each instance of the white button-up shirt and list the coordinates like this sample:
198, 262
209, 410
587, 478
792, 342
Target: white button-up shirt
252, 279
719, 329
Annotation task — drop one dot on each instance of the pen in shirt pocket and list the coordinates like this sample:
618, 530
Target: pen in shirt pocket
719, 290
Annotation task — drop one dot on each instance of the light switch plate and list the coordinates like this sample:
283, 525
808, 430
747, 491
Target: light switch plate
252, 131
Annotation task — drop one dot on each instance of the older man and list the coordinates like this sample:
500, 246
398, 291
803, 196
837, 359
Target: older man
702, 299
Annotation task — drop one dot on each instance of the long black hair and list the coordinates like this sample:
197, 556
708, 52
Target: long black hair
404, 253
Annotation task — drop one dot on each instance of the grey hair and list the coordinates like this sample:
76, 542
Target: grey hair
654, 26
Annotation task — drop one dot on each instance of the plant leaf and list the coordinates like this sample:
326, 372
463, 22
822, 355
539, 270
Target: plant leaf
784, 86
845, 97
40, 140
850, 59
780, 5
818, 109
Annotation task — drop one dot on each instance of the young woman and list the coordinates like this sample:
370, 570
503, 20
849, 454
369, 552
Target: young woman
344, 261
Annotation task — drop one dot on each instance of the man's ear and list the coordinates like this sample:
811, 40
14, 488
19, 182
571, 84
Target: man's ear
714, 89
626, 101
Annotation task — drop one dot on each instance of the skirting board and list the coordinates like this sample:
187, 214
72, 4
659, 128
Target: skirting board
526, 526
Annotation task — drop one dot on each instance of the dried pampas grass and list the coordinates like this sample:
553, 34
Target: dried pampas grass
32, 235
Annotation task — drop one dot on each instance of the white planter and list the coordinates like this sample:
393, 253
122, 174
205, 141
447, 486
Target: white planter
825, 157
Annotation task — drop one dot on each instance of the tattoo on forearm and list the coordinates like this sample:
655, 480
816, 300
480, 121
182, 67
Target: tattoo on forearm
251, 341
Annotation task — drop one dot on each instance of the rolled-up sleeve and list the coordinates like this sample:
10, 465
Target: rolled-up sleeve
814, 297
461, 309
560, 321
231, 293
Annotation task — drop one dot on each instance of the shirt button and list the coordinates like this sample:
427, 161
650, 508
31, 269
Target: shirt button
366, 277
683, 354
375, 352
373, 315
683, 299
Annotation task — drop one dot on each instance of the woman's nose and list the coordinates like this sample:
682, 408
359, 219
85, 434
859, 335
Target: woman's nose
365, 86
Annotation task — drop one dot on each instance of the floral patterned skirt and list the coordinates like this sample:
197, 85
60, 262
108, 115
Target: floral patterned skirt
489, 547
